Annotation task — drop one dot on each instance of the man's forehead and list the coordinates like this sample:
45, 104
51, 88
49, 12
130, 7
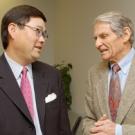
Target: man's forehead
102, 27
37, 21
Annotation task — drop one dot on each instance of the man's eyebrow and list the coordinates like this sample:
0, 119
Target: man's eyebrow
40, 27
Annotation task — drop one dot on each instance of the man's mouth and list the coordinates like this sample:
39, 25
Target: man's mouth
103, 50
38, 47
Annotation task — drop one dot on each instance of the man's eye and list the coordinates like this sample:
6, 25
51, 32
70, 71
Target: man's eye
104, 36
38, 31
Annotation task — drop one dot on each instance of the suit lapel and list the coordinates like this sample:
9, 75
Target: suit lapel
102, 89
128, 96
10, 87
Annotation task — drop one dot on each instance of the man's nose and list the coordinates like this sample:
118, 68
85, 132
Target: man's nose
98, 43
42, 39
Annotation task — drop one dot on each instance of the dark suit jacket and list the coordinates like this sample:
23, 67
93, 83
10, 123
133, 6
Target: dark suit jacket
14, 116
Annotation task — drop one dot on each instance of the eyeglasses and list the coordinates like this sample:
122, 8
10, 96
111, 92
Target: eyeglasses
38, 31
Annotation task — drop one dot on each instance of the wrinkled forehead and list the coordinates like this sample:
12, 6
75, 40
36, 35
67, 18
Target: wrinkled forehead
101, 27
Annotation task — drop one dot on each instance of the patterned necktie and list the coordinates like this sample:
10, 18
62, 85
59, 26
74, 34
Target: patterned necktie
26, 91
114, 92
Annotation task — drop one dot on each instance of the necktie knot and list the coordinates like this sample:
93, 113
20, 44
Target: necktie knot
116, 68
24, 71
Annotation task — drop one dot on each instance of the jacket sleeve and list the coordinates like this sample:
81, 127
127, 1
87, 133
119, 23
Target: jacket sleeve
128, 129
90, 118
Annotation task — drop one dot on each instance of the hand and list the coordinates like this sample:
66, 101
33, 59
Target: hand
103, 126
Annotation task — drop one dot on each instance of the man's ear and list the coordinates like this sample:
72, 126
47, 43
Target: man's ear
12, 29
126, 34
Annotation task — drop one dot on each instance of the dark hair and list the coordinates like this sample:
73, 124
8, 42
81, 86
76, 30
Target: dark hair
20, 15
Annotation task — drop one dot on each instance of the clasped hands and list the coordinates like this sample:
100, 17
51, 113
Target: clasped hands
104, 126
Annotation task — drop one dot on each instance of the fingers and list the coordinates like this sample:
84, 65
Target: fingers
101, 121
104, 126
95, 130
104, 117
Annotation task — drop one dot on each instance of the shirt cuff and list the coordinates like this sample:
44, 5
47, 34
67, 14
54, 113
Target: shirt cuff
118, 129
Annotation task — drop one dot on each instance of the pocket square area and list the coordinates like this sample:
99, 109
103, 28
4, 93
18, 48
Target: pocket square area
50, 97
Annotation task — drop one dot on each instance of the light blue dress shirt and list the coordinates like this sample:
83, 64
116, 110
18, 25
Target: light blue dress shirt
17, 69
124, 64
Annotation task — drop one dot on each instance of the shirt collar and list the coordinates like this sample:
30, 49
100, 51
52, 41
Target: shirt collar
17, 68
126, 61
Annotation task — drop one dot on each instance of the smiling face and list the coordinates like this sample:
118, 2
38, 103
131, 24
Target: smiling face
25, 45
110, 46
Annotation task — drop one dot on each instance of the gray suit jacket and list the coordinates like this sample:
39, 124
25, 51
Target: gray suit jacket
96, 100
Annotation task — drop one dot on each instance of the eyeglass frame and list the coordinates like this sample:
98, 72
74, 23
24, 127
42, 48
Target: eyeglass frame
38, 31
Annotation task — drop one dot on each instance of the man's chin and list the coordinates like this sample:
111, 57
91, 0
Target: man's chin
34, 58
105, 59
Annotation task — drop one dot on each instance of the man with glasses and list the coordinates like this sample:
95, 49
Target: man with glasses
31, 94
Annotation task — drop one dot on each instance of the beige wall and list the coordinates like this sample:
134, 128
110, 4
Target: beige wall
70, 35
